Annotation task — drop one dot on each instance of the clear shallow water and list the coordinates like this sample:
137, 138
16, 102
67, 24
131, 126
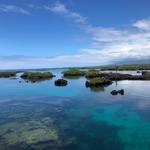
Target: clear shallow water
41, 116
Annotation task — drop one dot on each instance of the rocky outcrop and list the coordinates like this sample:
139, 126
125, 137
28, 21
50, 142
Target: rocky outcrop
73, 72
37, 76
119, 76
116, 76
116, 92
61, 82
7, 74
92, 74
96, 82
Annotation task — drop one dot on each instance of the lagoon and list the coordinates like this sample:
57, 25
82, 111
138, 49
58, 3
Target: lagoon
42, 116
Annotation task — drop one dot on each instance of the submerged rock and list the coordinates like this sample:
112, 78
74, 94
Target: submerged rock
116, 92
61, 82
30, 132
13, 78
44, 129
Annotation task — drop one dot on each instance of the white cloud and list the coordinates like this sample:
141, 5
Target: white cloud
61, 9
32, 6
58, 8
120, 46
112, 44
14, 9
143, 24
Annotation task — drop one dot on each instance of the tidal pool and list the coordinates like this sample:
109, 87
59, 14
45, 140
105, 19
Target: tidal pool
41, 116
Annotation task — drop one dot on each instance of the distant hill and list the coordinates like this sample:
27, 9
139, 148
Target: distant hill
107, 67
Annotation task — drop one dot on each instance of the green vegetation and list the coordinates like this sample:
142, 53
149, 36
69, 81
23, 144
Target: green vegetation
98, 82
73, 72
92, 73
35, 76
146, 73
115, 67
127, 67
7, 74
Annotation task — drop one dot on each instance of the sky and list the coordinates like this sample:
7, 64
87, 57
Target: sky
64, 33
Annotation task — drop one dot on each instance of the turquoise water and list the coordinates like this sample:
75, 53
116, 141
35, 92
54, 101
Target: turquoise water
41, 116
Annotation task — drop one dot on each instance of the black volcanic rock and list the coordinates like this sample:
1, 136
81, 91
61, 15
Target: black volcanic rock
116, 92
61, 82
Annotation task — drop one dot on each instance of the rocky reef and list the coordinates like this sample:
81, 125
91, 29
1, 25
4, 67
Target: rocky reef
96, 82
36, 125
7, 74
36, 76
61, 82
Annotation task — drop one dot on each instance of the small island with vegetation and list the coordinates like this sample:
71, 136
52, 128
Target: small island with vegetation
118, 67
7, 74
36, 76
126, 67
73, 72
96, 82
146, 73
92, 73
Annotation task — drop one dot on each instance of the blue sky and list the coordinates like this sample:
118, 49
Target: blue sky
60, 33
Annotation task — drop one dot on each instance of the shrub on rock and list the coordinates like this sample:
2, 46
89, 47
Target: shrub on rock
92, 74
146, 73
95, 82
7, 74
35, 76
73, 73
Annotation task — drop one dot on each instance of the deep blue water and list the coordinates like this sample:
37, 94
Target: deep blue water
41, 116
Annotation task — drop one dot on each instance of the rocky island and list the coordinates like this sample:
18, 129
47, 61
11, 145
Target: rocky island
93, 73
96, 82
7, 74
73, 72
37, 76
61, 82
